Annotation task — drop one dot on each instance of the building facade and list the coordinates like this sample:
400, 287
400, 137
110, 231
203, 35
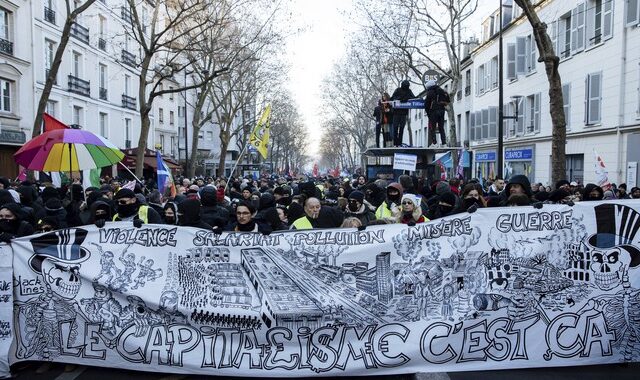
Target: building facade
598, 42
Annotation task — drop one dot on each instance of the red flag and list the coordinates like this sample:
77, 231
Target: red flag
51, 123
315, 170
23, 175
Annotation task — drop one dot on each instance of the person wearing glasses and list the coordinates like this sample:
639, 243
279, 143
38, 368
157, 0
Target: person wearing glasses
411, 211
129, 208
245, 213
12, 224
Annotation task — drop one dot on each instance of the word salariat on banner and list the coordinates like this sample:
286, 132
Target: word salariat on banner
496, 289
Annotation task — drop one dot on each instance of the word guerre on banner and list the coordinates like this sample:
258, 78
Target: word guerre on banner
499, 288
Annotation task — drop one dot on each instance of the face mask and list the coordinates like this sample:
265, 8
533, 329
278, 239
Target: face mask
394, 198
127, 210
6, 225
170, 220
445, 209
353, 206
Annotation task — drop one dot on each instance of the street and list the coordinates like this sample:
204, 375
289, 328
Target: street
614, 371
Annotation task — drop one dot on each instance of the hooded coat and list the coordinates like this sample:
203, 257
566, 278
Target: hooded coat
189, 214
403, 94
211, 213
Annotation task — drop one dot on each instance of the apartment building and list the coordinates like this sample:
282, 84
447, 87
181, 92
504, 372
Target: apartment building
598, 42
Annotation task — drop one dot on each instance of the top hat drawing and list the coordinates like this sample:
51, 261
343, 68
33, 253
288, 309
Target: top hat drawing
62, 246
617, 226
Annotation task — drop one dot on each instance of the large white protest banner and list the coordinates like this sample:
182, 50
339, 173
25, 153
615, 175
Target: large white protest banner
499, 288
6, 311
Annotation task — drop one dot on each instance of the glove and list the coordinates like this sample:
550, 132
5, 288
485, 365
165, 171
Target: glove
570, 204
473, 208
100, 223
411, 224
6, 237
537, 205
137, 222
362, 228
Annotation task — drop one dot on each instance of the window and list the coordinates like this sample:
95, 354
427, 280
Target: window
531, 54
171, 95
171, 117
566, 104
485, 123
51, 107
103, 125
478, 124
519, 123
480, 79
632, 13
49, 51
593, 101
521, 55
127, 84
494, 72
162, 143
77, 64
599, 21
467, 82
564, 36
77, 115
127, 133
161, 115
467, 125
532, 113
180, 111
5, 19
638, 108
578, 17
472, 126
511, 61
209, 136
173, 145
103, 75
5, 95
160, 89
509, 124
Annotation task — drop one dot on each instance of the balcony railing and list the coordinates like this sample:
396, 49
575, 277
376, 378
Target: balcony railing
102, 44
49, 15
79, 86
80, 32
128, 102
6, 46
128, 58
75, 126
126, 15
103, 93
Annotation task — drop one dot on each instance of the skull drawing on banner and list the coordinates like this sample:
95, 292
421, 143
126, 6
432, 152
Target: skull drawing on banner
64, 280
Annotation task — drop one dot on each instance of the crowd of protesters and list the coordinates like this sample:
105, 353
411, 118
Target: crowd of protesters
273, 203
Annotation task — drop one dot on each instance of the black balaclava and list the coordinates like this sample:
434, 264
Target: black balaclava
189, 211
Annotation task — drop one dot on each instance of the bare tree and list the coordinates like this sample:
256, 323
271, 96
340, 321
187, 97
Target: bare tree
288, 135
420, 31
556, 108
69, 24
174, 27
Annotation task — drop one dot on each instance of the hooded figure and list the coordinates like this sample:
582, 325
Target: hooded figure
358, 209
53, 208
592, 192
444, 205
390, 208
12, 224
170, 213
435, 103
189, 214
211, 213
100, 210
518, 184
403, 94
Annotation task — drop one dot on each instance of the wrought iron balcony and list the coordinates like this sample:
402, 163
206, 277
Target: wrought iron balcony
75, 126
128, 58
103, 93
102, 44
79, 86
126, 14
49, 15
6, 46
128, 102
80, 32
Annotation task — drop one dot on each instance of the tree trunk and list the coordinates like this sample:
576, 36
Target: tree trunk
453, 136
224, 146
556, 101
145, 109
51, 78
193, 159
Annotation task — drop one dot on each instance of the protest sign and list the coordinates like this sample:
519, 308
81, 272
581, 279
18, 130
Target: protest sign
403, 161
499, 288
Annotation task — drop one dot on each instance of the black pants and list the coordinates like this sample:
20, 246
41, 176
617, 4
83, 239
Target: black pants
378, 134
436, 120
399, 120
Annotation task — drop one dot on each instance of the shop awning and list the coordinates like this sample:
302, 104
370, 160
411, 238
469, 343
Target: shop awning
150, 161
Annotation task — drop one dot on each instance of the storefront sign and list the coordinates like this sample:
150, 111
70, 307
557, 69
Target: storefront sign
485, 156
519, 154
12, 137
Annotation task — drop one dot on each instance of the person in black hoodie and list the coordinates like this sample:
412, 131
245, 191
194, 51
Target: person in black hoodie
53, 208
11, 223
434, 105
356, 208
100, 212
518, 184
170, 213
443, 205
189, 215
592, 192
403, 94
212, 214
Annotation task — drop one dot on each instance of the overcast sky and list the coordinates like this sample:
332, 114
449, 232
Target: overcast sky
313, 52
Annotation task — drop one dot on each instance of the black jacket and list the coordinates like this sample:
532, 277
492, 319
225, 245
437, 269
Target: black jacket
436, 100
403, 94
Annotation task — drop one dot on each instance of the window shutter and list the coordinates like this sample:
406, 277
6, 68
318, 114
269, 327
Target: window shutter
485, 123
574, 29
531, 53
607, 20
590, 26
566, 102
632, 12
595, 98
511, 61
536, 113
520, 121
478, 125
521, 55
478, 81
554, 37
493, 122
586, 99
580, 27
472, 131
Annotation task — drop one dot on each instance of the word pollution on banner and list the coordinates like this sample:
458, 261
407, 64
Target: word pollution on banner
496, 289
403, 161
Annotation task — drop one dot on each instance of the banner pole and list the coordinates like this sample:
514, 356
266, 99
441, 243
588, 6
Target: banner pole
130, 172
236, 165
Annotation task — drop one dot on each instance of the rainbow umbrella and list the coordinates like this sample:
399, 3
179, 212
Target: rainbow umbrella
66, 150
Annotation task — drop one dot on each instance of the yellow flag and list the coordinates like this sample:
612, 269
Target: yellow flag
260, 135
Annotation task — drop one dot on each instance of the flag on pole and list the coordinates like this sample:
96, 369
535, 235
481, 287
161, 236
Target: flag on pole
443, 171
165, 179
460, 169
260, 135
91, 177
51, 123
23, 175
602, 176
